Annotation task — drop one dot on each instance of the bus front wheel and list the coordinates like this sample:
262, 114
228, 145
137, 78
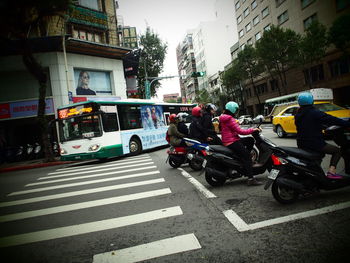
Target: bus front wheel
135, 146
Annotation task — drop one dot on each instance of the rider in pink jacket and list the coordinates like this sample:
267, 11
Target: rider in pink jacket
241, 147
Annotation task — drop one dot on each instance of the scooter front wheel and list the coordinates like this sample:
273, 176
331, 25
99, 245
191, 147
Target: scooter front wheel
196, 164
214, 181
283, 194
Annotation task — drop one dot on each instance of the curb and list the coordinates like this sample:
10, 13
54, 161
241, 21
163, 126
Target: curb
32, 166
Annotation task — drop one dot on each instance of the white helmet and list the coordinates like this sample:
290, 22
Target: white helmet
182, 116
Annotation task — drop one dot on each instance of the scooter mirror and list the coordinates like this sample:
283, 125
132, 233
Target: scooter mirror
259, 119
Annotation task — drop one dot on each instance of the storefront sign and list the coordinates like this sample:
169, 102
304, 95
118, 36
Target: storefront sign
5, 111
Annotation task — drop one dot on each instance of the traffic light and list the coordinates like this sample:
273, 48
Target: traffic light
198, 74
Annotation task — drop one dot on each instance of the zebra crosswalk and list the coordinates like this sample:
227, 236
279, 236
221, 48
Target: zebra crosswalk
93, 187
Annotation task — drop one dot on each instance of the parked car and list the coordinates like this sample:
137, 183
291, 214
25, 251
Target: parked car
283, 123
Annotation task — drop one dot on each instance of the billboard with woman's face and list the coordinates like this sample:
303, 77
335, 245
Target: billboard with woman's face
89, 82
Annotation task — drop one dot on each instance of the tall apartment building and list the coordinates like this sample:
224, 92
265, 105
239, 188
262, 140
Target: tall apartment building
186, 65
256, 16
84, 45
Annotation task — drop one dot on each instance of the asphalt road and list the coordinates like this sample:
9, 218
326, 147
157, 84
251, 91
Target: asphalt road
134, 209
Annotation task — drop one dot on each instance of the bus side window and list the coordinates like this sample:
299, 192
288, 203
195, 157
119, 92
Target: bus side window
110, 122
129, 117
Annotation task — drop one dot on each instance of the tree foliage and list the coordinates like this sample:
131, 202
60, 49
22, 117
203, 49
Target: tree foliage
151, 60
339, 33
18, 20
203, 97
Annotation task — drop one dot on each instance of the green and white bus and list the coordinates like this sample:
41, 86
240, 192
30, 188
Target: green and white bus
103, 129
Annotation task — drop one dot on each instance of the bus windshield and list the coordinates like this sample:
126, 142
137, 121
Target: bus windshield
80, 127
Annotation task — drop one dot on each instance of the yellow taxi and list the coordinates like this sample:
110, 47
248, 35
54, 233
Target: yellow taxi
283, 122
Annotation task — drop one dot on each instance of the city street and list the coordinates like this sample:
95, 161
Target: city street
134, 209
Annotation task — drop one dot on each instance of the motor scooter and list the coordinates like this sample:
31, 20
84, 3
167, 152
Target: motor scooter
298, 173
193, 154
221, 164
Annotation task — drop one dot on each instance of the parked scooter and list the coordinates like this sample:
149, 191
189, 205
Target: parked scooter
222, 164
192, 154
297, 173
38, 153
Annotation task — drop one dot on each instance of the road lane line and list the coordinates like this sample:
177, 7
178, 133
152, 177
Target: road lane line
82, 168
90, 171
241, 226
81, 192
89, 176
151, 250
197, 184
91, 227
82, 183
82, 205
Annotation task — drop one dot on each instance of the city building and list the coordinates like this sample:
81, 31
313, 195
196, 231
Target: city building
170, 97
254, 17
186, 65
82, 48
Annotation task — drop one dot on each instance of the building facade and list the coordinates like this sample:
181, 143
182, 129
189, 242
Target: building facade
254, 17
84, 48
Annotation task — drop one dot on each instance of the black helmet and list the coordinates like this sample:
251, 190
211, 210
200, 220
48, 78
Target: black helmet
210, 107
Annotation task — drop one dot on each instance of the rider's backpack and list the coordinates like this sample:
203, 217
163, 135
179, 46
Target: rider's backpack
167, 137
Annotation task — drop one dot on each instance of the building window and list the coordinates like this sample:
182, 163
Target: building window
257, 36
279, 2
248, 27
242, 46
339, 66
239, 19
266, 28
248, 93
250, 41
246, 12
254, 4
342, 4
86, 35
256, 20
93, 4
274, 84
241, 33
314, 74
308, 21
282, 18
261, 89
265, 12
238, 4
305, 3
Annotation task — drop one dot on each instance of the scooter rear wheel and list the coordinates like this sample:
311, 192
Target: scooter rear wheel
174, 163
214, 181
284, 195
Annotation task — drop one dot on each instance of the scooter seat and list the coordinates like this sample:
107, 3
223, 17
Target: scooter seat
221, 149
297, 152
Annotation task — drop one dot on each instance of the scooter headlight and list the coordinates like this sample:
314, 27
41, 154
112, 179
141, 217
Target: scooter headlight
94, 147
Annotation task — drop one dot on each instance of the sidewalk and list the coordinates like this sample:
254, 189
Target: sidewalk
30, 164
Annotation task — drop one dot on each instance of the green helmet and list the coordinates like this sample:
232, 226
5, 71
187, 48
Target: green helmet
231, 106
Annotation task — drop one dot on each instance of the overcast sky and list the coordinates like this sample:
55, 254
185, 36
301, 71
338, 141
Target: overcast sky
170, 20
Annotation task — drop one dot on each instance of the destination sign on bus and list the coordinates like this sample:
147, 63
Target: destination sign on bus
66, 113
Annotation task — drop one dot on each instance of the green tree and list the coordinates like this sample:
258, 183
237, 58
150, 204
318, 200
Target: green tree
278, 51
19, 19
151, 60
250, 66
339, 33
312, 48
203, 97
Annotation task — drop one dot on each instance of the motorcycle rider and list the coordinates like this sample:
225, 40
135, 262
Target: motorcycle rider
242, 147
181, 125
310, 122
207, 124
197, 131
173, 132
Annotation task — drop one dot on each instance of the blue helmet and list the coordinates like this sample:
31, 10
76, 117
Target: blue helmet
231, 106
305, 98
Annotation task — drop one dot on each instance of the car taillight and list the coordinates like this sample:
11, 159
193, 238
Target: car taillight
277, 160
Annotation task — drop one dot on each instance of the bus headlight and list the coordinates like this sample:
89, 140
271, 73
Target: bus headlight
63, 151
94, 147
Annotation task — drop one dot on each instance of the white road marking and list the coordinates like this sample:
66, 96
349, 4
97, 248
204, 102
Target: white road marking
91, 171
82, 168
89, 227
90, 176
82, 205
81, 192
241, 226
197, 184
151, 250
81, 183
